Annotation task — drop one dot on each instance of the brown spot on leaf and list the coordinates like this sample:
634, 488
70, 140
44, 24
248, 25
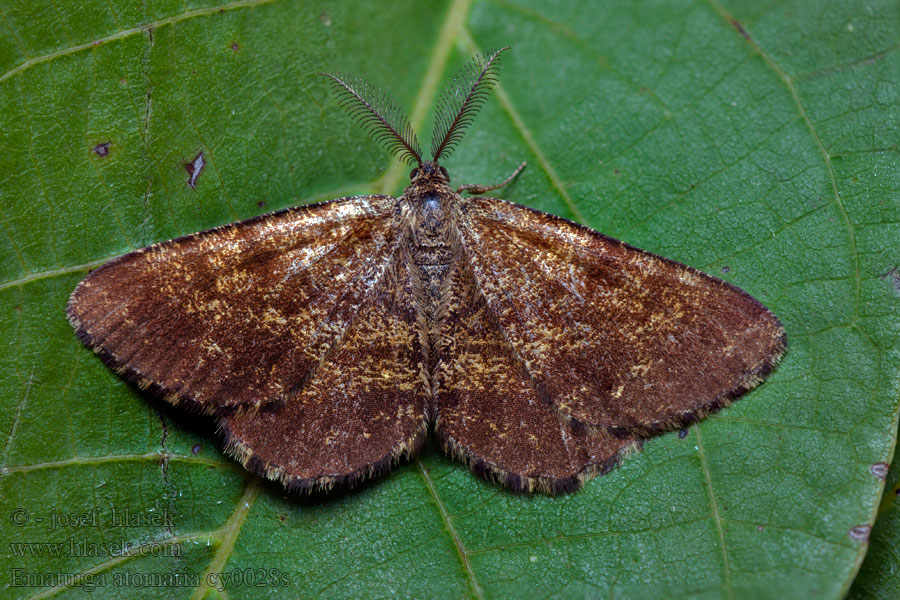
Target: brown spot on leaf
860, 533
235, 46
880, 470
893, 277
261, 203
194, 168
102, 149
737, 25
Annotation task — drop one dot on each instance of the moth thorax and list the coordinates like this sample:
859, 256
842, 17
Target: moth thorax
432, 218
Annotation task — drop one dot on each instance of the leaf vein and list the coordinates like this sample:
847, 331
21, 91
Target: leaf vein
200, 12
230, 532
116, 458
528, 138
788, 82
448, 525
717, 519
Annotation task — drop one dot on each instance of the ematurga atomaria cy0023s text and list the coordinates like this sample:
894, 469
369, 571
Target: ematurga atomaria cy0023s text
329, 338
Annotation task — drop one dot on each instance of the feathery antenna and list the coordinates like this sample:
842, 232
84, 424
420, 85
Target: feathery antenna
378, 114
460, 101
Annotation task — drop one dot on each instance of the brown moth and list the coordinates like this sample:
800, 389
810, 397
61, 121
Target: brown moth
329, 338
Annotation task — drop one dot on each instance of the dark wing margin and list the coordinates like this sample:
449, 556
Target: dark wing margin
490, 415
364, 410
241, 315
614, 337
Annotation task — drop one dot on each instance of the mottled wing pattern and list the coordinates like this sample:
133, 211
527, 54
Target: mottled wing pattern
612, 336
240, 315
490, 414
363, 410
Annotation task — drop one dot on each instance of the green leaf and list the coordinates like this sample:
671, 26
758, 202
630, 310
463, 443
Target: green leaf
879, 576
755, 142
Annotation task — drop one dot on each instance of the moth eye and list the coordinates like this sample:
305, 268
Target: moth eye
413, 172
445, 174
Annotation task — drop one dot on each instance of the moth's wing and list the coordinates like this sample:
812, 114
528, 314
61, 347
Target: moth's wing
364, 408
240, 315
613, 336
491, 416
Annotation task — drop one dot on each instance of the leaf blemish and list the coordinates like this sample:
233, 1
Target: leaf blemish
682, 433
101, 150
860, 533
261, 203
726, 269
880, 470
196, 449
194, 168
741, 30
893, 276
235, 46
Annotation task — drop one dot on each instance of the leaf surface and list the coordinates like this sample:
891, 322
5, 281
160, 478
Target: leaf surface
879, 576
757, 143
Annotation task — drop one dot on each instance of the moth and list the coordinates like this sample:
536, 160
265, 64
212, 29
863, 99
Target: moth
329, 339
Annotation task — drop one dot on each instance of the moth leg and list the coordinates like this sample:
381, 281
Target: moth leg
480, 189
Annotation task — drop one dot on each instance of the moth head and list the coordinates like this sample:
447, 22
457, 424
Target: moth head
429, 170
